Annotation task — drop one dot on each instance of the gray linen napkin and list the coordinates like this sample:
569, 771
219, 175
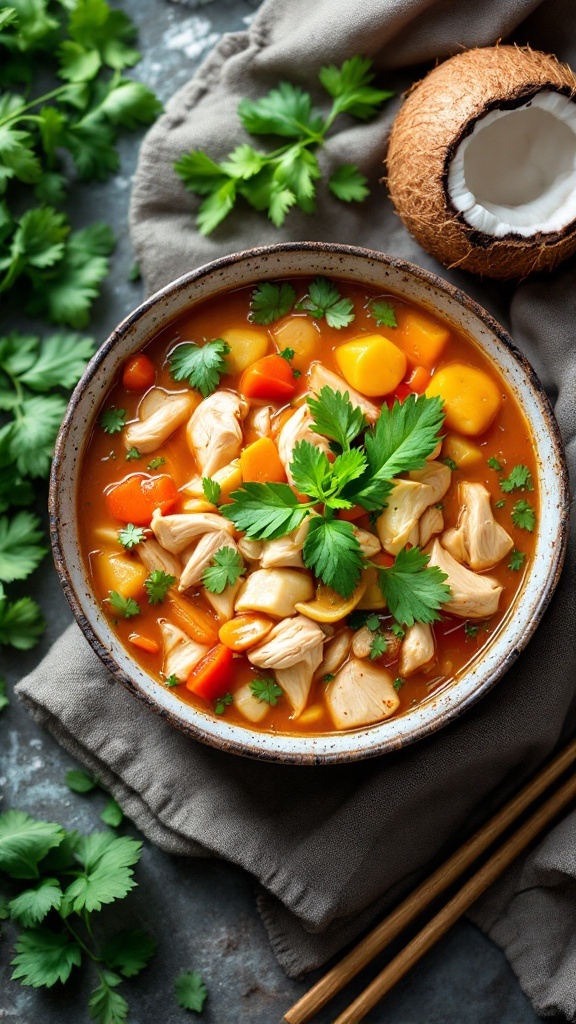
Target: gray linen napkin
334, 846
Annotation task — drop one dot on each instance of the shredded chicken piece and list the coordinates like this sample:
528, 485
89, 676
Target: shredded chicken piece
431, 522
249, 705
298, 428
436, 475
478, 539
361, 693
223, 604
228, 478
149, 433
259, 420
251, 550
181, 654
336, 650
214, 431
275, 592
155, 556
473, 596
201, 556
369, 543
287, 550
320, 377
406, 503
417, 648
297, 680
287, 643
176, 532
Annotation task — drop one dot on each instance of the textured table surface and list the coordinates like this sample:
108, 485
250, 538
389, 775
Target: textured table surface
201, 912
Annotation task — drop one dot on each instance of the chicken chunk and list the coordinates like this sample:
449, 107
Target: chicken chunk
259, 420
214, 431
249, 705
149, 432
320, 377
177, 532
223, 604
417, 648
155, 556
361, 694
472, 596
298, 428
287, 643
285, 551
201, 556
430, 523
369, 543
251, 550
275, 592
478, 540
436, 475
297, 680
406, 504
336, 650
181, 654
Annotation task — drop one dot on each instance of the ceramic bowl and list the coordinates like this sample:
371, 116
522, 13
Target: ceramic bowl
384, 273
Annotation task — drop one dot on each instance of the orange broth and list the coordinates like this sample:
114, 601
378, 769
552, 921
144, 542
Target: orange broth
507, 440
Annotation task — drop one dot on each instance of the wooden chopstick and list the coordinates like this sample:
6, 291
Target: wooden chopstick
438, 882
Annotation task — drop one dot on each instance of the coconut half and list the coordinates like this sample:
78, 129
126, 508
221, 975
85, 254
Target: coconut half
482, 161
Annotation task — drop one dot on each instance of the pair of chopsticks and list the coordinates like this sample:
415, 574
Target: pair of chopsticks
437, 883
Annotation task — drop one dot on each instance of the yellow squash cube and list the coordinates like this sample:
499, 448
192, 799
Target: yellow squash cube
247, 344
471, 398
372, 364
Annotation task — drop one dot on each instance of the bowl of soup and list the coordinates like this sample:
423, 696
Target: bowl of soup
308, 503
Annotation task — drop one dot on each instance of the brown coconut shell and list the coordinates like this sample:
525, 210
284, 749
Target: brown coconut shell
438, 113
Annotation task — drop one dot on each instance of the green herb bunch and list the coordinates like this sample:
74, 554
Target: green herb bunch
276, 180
63, 101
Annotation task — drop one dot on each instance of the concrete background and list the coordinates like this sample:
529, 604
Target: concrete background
201, 912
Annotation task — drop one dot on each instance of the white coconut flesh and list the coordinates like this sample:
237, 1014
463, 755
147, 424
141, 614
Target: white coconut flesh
515, 173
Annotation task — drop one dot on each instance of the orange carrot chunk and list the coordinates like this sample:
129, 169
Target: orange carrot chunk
134, 499
260, 462
269, 379
139, 373
212, 675
145, 643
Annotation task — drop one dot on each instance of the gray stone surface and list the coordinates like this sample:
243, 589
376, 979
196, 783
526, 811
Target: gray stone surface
201, 912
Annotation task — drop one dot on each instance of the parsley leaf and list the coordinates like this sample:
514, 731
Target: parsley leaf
451, 464
201, 365
265, 511
398, 683
130, 535
494, 464
132, 454
225, 570
105, 1005
20, 552
270, 302
351, 89
30, 907
378, 647
21, 622
288, 354
336, 418
129, 952
44, 957
322, 480
112, 814
267, 690
414, 591
124, 606
324, 300
333, 553
80, 781
349, 184
516, 559
523, 515
172, 681
113, 420
106, 861
156, 463
211, 489
520, 479
471, 629
221, 703
191, 992
500, 504
157, 585
383, 313
24, 842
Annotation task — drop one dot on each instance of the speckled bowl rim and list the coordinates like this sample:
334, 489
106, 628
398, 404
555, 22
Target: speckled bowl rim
444, 705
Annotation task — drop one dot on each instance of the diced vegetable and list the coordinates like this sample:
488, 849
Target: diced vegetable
211, 676
419, 379
245, 631
197, 623
144, 643
371, 364
260, 463
328, 606
462, 451
421, 338
246, 344
135, 498
471, 397
301, 335
269, 379
138, 373
121, 573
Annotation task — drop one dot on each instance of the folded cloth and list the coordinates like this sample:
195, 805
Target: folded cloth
333, 846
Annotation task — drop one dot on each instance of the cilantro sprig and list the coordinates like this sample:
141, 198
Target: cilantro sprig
157, 585
383, 313
266, 689
276, 180
324, 301
200, 365
520, 479
224, 570
414, 590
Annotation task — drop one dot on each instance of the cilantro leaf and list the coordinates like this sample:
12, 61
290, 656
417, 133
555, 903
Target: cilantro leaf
105, 1005
34, 432
520, 479
129, 104
129, 952
414, 591
516, 559
199, 173
378, 647
287, 354
351, 90
107, 873
124, 606
494, 464
130, 535
500, 504
216, 207
44, 957
383, 313
66, 295
349, 184
172, 681
225, 570
211, 489
311, 470
60, 362
398, 683
270, 302
242, 162
200, 365
191, 992
336, 418
265, 511
21, 622
266, 689
333, 553
132, 454
157, 585
112, 814
451, 464
20, 552
156, 463
523, 515
80, 781
113, 420
221, 703
324, 300
24, 842
37, 242
30, 907
286, 111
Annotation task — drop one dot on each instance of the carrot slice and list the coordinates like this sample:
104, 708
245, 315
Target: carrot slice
350, 515
138, 373
211, 676
145, 643
134, 499
270, 379
197, 623
419, 379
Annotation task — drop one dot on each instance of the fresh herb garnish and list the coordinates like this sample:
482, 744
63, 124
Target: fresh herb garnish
523, 515
324, 300
336, 418
21, 622
211, 489
221, 703
372, 622
112, 814
398, 683
333, 553
520, 479
132, 454
191, 992
157, 585
113, 420
266, 689
329, 677
4, 701
80, 781
225, 570
451, 464
271, 302
172, 681
495, 465
516, 559
470, 629
277, 180
413, 589
378, 646
156, 463
500, 504
20, 552
124, 606
200, 365
287, 354
398, 630
130, 535
383, 313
